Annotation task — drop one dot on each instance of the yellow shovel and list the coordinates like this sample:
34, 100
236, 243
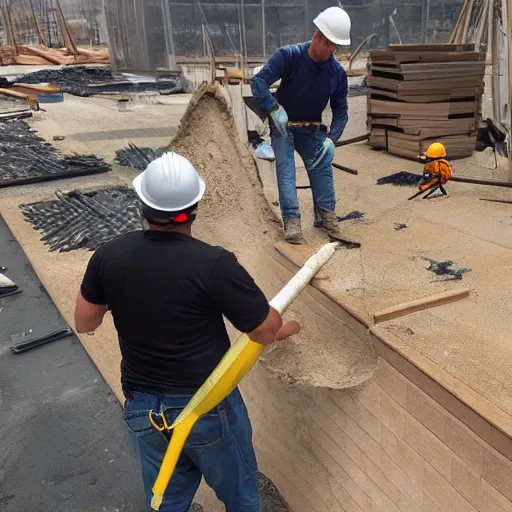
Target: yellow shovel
237, 361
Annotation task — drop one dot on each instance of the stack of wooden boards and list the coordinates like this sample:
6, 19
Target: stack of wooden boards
419, 94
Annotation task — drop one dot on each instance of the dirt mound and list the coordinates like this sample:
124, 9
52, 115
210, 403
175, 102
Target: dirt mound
207, 136
236, 215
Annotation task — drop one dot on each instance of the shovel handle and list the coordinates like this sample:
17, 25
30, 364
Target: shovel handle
176, 444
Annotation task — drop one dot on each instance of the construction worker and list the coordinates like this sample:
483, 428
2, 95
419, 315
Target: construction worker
437, 170
168, 292
310, 77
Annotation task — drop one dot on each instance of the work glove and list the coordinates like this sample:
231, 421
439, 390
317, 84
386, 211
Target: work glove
327, 149
280, 119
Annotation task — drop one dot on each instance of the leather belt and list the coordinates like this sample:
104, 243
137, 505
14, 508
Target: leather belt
303, 123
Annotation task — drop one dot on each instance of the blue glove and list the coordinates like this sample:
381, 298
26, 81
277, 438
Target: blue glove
280, 119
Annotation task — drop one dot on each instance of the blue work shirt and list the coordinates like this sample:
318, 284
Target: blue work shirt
306, 87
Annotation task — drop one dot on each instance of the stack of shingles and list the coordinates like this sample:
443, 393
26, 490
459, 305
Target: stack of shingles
424, 93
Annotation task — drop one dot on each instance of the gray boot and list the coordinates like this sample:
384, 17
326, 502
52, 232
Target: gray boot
330, 224
292, 231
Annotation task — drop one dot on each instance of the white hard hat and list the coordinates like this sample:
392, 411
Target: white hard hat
334, 23
169, 184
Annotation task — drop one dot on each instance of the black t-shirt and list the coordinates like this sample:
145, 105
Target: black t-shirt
168, 293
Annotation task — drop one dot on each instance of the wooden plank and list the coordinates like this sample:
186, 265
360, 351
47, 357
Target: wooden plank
444, 66
431, 68
420, 86
504, 201
383, 56
432, 47
346, 142
383, 122
412, 145
345, 168
413, 76
400, 151
380, 92
400, 108
432, 98
395, 73
465, 124
431, 133
414, 306
475, 181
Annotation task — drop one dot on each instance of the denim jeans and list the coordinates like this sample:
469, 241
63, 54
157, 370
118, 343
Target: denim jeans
219, 449
308, 142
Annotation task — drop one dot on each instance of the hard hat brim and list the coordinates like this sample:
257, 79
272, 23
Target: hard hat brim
137, 185
340, 42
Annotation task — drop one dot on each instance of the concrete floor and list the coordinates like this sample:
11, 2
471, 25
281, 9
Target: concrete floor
96, 124
63, 445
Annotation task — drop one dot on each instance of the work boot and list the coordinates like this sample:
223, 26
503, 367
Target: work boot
329, 224
292, 231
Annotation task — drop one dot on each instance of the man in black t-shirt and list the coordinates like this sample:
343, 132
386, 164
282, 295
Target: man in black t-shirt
168, 293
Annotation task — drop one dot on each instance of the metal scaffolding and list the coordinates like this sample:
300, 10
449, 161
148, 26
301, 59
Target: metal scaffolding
158, 34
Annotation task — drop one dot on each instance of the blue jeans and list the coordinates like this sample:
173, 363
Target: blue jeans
219, 448
308, 142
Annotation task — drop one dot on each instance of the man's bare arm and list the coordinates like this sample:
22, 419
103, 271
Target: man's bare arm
88, 316
273, 329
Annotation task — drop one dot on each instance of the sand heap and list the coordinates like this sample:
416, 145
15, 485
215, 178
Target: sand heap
207, 136
235, 214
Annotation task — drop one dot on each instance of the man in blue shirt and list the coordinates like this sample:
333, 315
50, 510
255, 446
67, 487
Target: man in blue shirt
310, 77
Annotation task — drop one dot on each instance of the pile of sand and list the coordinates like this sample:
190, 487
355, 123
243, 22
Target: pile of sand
236, 215
207, 136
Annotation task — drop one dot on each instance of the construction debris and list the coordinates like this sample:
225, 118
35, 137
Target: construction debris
414, 306
84, 221
354, 215
400, 179
40, 55
27, 158
87, 81
346, 142
137, 157
422, 93
355, 172
14, 105
446, 269
477, 181
38, 341
7, 287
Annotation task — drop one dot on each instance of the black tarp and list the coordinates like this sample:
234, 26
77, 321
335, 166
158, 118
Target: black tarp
89, 80
27, 158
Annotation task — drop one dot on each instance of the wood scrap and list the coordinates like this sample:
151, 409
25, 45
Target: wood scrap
355, 53
478, 181
504, 201
346, 142
414, 306
355, 172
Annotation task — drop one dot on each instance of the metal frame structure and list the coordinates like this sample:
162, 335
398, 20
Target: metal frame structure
252, 29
